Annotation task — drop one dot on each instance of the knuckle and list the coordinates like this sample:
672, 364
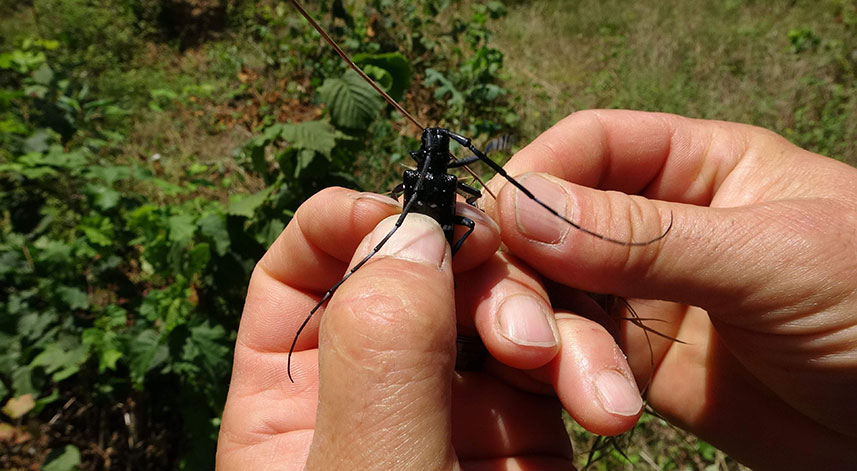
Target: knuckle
391, 306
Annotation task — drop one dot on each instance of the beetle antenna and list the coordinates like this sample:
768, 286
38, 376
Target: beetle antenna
354, 66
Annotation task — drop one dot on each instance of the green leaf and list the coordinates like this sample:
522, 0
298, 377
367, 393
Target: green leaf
271, 133
72, 160
61, 361
381, 77
67, 459
169, 189
110, 174
163, 93
103, 197
177, 312
104, 345
43, 75
395, 64
33, 324
147, 351
196, 169
182, 227
353, 103
269, 232
213, 226
199, 255
318, 136
103, 340
46, 400
74, 298
305, 158
246, 205
55, 251
208, 347
96, 236
443, 88
39, 141
22, 381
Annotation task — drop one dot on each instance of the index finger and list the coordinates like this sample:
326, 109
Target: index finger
310, 256
657, 155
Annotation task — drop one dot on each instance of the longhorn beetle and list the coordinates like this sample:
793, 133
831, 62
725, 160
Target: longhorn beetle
431, 190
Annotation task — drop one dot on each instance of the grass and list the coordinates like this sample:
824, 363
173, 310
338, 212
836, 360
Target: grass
787, 66
653, 445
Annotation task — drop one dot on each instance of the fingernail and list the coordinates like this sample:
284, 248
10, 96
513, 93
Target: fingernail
380, 198
617, 394
533, 220
524, 321
476, 215
419, 239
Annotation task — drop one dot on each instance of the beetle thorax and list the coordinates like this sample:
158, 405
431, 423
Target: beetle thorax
434, 145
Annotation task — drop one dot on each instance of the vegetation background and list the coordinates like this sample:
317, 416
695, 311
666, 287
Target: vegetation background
150, 150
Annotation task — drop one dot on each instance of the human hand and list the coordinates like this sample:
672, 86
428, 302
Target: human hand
381, 393
758, 274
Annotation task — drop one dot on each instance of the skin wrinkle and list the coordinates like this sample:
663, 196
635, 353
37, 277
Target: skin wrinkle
800, 351
251, 440
581, 360
375, 305
393, 425
405, 418
404, 379
628, 251
265, 429
653, 253
785, 321
408, 417
269, 426
648, 189
278, 396
235, 447
605, 144
795, 240
381, 311
639, 260
746, 289
552, 153
836, 340
657, 178
725, 175
278, 379
737, 151
242, 339
701, 175
313, 248
717, 252
357, 202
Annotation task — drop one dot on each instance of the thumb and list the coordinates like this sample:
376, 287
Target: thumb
707, 257
386, 355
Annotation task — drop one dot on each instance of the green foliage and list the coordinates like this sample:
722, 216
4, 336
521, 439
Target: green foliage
123, 273
67, 459
353, 103
391, 70
803, 39
89, 36
102, 289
